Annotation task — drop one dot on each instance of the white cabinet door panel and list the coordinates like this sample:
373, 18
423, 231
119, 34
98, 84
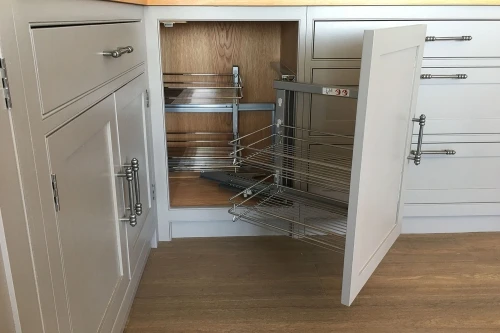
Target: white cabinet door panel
83, 154
381, 147
133, 131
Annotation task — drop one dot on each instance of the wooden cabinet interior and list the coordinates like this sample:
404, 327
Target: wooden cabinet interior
215, 47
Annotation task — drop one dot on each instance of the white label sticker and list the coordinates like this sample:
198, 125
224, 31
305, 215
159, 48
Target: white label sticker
336, 91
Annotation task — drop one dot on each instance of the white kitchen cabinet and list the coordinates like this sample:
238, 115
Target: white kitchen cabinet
363, 227
84, 163
456, 95
88, 118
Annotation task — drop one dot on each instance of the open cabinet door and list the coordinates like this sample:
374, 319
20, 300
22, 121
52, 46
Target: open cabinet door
389, 80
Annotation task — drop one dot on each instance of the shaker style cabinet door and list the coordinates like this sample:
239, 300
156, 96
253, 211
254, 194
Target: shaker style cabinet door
388, 86
83, 157
133, 133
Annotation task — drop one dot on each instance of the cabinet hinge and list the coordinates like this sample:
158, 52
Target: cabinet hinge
153, 191
55, 192
147, 98
5, 88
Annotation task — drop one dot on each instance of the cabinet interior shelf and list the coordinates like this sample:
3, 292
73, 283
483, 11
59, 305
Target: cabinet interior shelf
209, 88
200, 158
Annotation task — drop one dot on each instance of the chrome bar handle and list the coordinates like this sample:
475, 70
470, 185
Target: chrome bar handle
451, 76
416, 155
134, 163
454, 38
129, 176
436, 152
118, 52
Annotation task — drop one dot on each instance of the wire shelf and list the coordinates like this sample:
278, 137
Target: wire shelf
296, 159
311, 218
188, 88
200, 159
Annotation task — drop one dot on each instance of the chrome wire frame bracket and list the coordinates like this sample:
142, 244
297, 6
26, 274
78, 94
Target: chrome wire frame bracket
236, 83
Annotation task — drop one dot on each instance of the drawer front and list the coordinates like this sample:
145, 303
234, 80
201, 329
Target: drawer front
344, 39
452, 106
471, 175
70, 61
330, 114
457, 211
461, 106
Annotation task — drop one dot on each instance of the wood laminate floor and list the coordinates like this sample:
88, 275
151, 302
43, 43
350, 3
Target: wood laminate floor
427, 283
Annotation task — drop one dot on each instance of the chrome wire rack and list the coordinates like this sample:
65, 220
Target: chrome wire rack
292, 212
296, 159
189, 88
292, 200
204, 150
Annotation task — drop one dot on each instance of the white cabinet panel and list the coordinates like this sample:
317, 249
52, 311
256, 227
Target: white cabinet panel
381, 145
343, 39
83, 155
465, 106
70, 62
133, 132
452, 106
471, 175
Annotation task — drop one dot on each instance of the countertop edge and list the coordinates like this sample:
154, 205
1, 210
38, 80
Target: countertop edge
258, 3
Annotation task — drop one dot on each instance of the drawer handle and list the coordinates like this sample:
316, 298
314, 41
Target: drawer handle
137, 186
456, 38
129, 176
118, 52
416, 155
451, 76
435, 152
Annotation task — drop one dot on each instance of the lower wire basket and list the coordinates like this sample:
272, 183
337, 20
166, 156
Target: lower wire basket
308, 217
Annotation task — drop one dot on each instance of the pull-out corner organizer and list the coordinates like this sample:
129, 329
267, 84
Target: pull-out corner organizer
297, 158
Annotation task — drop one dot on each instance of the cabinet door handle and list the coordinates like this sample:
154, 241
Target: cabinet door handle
416, 155
129, 177
435, 152
453, 38
137, 186
118, 52
451, 76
